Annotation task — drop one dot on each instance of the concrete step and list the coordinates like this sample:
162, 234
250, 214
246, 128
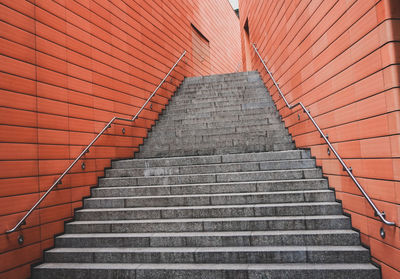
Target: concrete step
212, 178
319, 222
212, 168
212, 87
233, 83
277, 129
212, 199
266, 138
218, 148
233, 96
213, 159
218, 85
242, 76
224, 135
211, 188
193, 143
245, 119
268, 117
157, 142
212, 239
216, 113
221, 115
238, 106
185, 255
201, 124
201, 94
206, 271
219, 101
213, 211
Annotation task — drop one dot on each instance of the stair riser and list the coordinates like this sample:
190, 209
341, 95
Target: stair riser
223, 77
211, 257
192, 142
217, 140
178, 109
212, 213
228, 100
210, 200
252, 77
184, 161
198, 102
216, 91
249, 166
249, 76
207, 200
201, 124
230, 95
211, 178
210, 188
220, 99
222, 115
198, 226
220, 119
216, 150
213, 241
212, 148
272, 129
193, 273
220, 87
206, 81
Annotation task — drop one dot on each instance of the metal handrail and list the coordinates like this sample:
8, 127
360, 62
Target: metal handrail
86, 150
380, 214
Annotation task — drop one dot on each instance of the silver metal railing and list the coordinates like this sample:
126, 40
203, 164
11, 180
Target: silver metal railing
86, 150
378, 213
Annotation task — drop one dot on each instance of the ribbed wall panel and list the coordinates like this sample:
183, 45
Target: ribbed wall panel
341, 59
68, 67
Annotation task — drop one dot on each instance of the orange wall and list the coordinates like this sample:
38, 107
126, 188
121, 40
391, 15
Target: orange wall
67, 67
341, 59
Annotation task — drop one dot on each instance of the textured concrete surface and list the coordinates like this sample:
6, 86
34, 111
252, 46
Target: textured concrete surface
223, 213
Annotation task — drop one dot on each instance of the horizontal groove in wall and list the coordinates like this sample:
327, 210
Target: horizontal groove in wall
143, 48
337, 59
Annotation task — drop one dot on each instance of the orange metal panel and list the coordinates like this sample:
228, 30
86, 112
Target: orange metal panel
87, 61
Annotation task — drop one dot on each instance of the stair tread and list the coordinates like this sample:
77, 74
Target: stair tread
212, 266
220, 156
289, 204
208, 249
218, 233
219, 194
217, 173
187, 220
216, 183
215, 164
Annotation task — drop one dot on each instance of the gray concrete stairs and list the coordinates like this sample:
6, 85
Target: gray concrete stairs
218, 190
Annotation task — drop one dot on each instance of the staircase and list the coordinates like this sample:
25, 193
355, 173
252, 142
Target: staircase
218, 190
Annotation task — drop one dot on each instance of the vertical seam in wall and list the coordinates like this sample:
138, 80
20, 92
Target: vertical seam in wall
71, 213
37, 122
